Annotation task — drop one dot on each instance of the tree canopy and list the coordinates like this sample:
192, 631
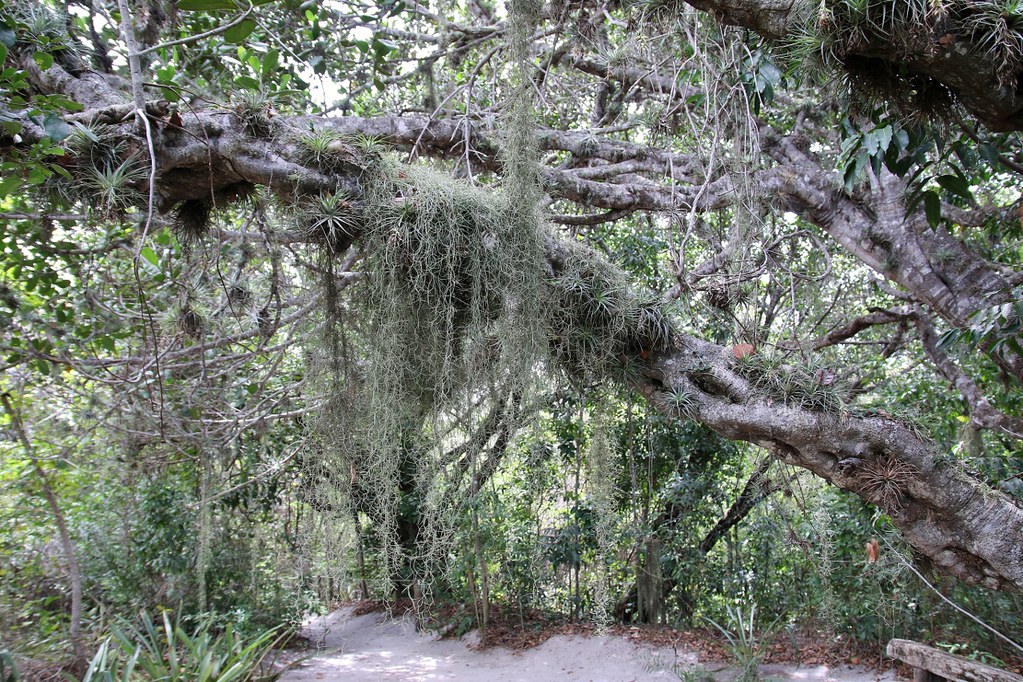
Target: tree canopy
361, 249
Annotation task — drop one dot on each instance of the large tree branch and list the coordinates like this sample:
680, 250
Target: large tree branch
965, 527
938, 48
931, 264
214, 151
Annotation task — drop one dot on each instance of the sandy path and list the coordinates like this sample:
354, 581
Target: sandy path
376, 647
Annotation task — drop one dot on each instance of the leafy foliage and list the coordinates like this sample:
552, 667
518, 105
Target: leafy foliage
166, 651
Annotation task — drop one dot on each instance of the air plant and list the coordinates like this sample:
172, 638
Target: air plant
326, 150
111, 187
330, 219
681, 401
884, 481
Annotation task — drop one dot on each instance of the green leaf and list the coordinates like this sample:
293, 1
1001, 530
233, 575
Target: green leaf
64, 103
770, 72
7, 36
989, 153
9, 185
240, 32
55, 127
949, 339
956, 185
269, 63
206, 5
43, 59
381, 47
84, 130
966, 155
3, 53
932, 207
884, 136
871, 143
247, 82
37, 175
62, 172
150, 256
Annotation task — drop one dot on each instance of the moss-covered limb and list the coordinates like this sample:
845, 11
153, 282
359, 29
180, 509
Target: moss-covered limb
949, 44
214, 154
596, 323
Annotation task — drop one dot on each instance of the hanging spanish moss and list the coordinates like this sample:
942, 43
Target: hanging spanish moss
447, 329
449, 334
602, 474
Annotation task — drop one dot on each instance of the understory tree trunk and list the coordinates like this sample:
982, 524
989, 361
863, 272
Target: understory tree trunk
63, 534
634, 603
650, 586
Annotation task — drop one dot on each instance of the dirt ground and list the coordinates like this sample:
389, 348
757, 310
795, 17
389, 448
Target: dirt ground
377, 646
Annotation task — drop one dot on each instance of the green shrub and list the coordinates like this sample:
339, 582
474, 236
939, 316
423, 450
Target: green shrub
168, 653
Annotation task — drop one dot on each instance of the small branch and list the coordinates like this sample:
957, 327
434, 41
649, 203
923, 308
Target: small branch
982, 413
592, 219
191, 39
854, 327
134, 65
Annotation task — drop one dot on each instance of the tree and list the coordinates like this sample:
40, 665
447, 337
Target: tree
767, 195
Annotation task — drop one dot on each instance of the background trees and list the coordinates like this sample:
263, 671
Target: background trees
301, 329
